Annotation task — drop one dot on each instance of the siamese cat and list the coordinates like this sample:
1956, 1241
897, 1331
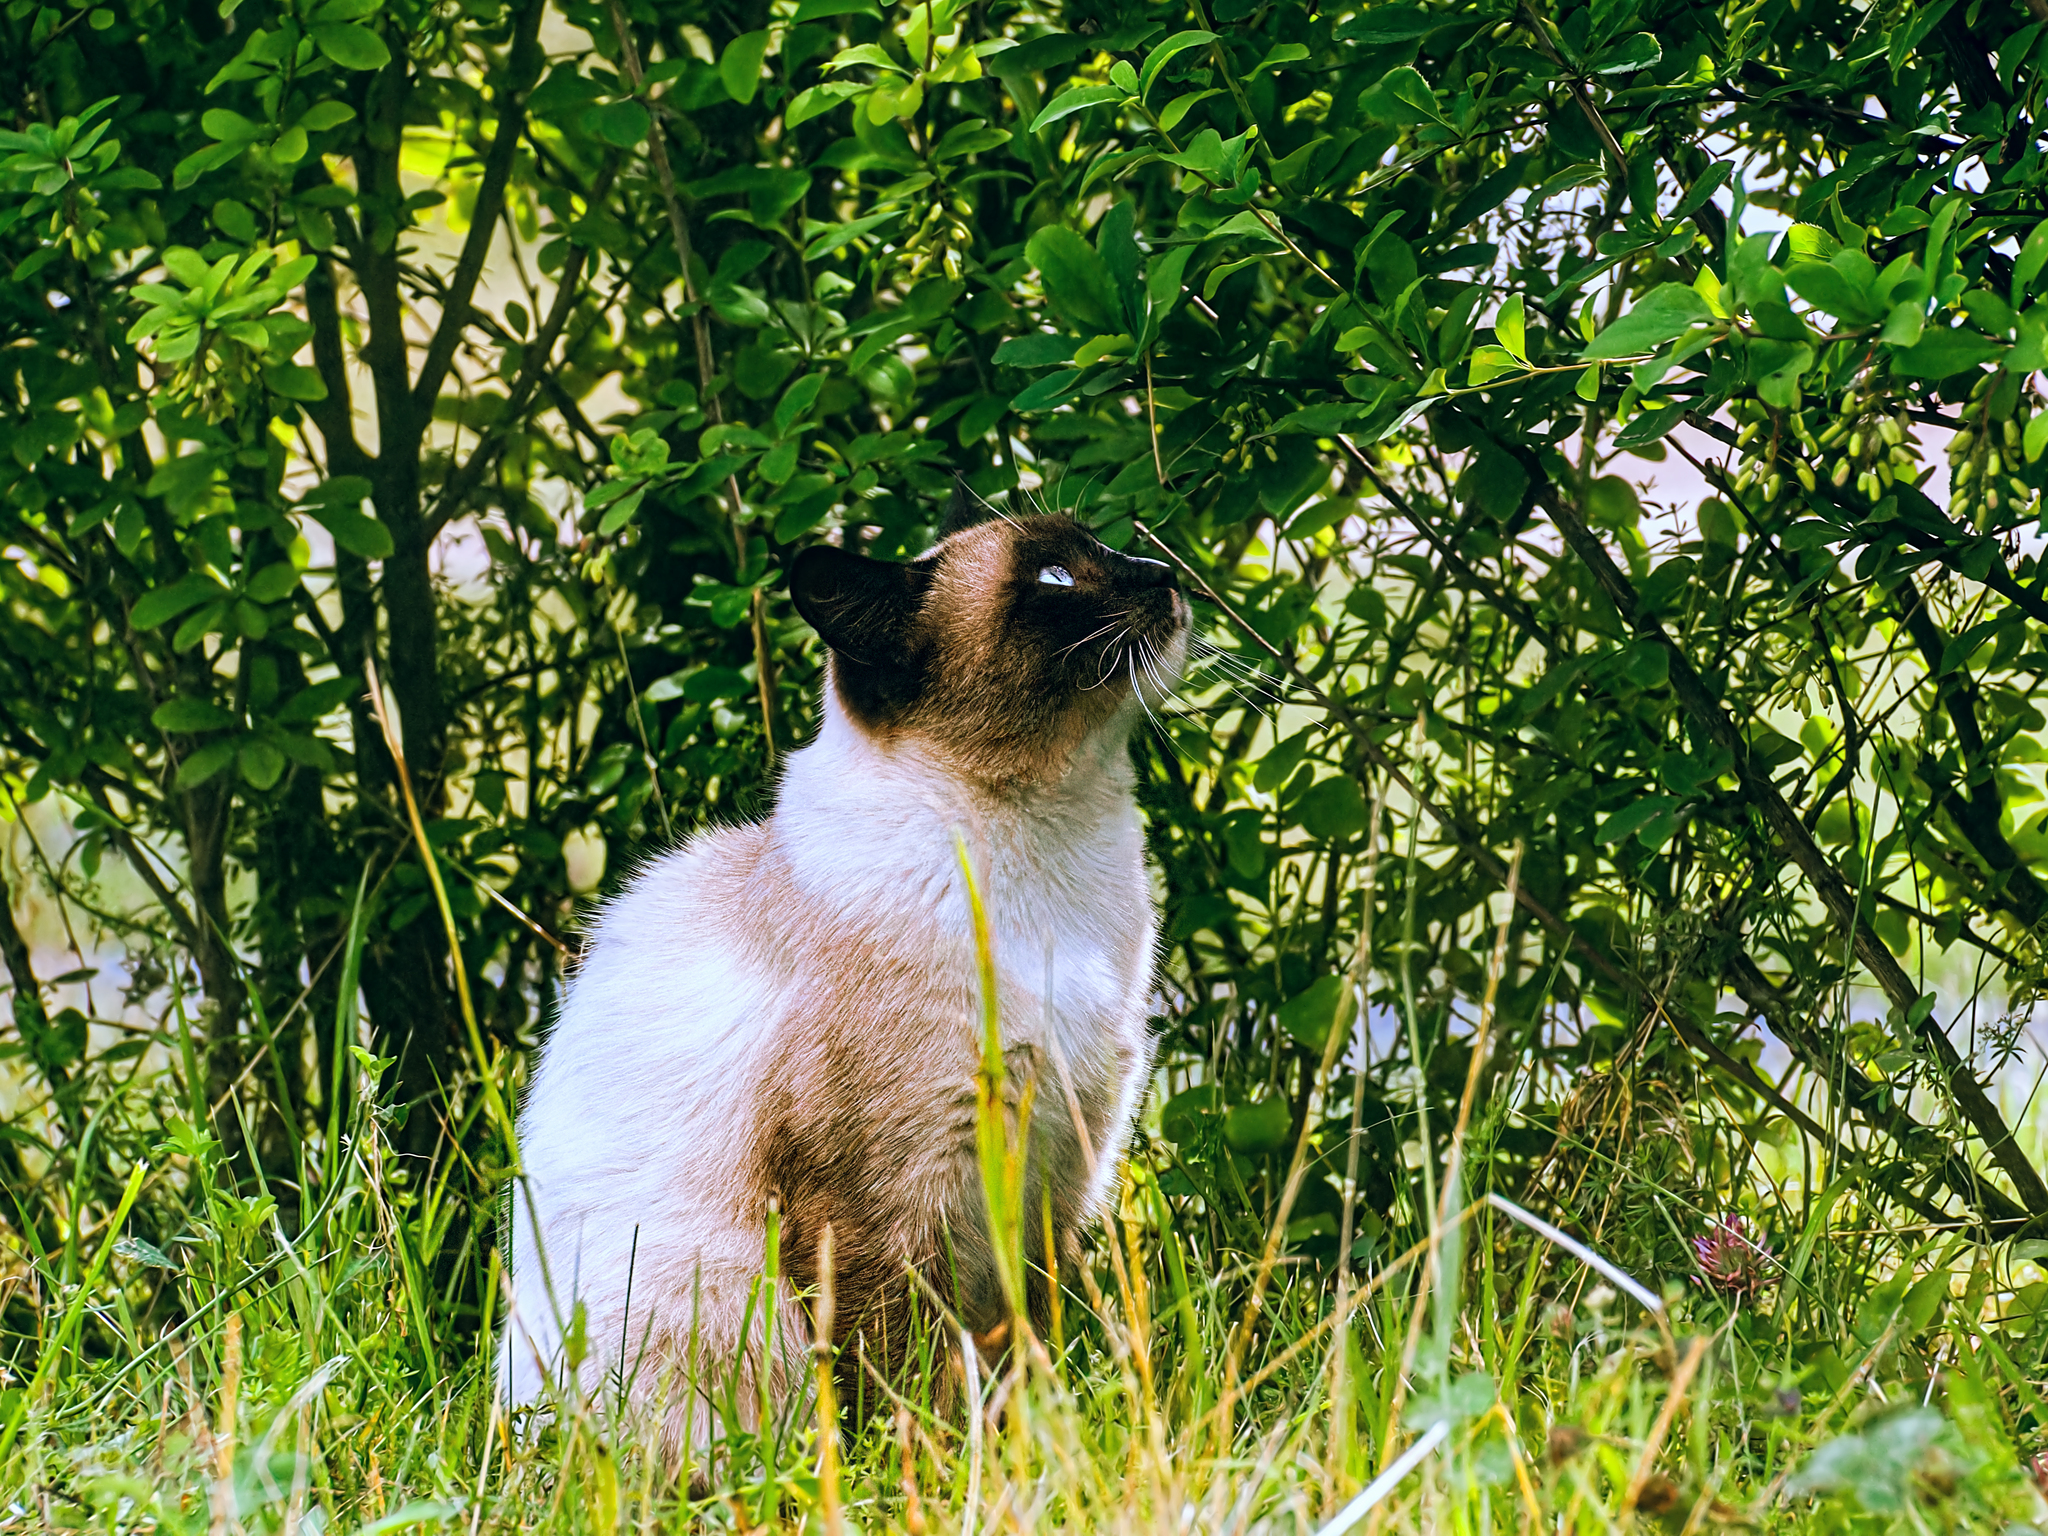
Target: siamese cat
790, 1010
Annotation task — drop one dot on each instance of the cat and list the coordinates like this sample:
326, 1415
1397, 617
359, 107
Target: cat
790, 1010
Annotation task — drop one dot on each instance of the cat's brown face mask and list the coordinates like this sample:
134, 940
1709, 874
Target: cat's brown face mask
1005, 647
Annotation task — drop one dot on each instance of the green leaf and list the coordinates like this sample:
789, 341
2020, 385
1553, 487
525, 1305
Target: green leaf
1256, 1128
1391, 24
833, 237
972, 137
190, 716
1280, 760
1407, 87
323, 115
1330, 416
200, 161
295, 381
818, 100
1077, 280
231, 127
1811, 243
797, 401
141, 1250
1826, 287
262, 764
2035, 439
1508, 328
1162, 55
363, 537
1938, 354
160, 606
1080, 99
236, 221
871, 54
710, 685
1632, 818
1489, 363
620, 512
1647, 664
1223, 270
2027, 266
740, 65
319, 701
1048, 391
1279, 54
338, 490
205, 764
1902, 327
1332, 808
1778, 365
1184, 1115
352, 47
1170, 115
779, 462
1647, 425
624, 123
1163, 288
1040, 349
820, 10
1309, 1016
1663, 313
1639, 50
2029, 352
274, 582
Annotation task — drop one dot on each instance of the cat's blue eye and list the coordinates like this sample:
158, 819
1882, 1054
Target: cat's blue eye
1055, 576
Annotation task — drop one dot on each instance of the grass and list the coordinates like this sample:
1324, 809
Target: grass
330, 1371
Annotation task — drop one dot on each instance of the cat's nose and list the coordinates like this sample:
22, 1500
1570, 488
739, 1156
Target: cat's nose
1149, 573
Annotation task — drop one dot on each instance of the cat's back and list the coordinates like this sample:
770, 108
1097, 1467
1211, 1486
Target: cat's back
664, 1006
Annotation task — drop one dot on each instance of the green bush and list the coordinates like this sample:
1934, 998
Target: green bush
511, 351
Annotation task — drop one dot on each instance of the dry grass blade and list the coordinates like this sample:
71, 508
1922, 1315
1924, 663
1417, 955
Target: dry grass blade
1369, 1500
486, 1059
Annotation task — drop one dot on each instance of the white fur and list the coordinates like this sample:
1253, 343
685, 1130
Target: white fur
637, 1113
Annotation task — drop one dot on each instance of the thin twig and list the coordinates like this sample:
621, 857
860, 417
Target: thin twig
1651, 1301
679, 229
1387, 1481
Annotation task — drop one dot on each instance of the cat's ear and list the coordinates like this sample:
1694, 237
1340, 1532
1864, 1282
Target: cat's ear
862, 608
965, 508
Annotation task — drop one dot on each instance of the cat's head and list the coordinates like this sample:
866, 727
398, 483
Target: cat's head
1005, 647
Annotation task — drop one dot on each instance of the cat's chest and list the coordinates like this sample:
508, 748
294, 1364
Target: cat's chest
1068, 922
1071, 962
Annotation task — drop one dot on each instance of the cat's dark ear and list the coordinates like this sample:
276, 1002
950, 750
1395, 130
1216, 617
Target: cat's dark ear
964, 509
864, 609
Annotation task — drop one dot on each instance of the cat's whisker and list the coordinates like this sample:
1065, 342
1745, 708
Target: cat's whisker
1153, 663
1114, 619
1242, 687
1207, 653
1208, 650
1113, 658
1138, 691
1239, 673
1258, 702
